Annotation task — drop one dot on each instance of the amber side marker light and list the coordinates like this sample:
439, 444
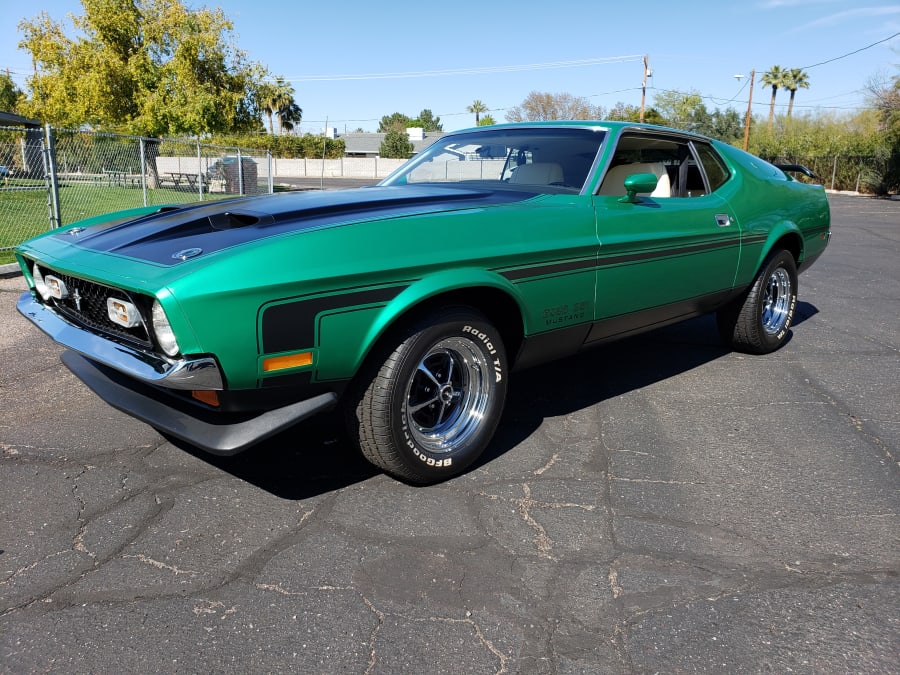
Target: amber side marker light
207, 396
289, 361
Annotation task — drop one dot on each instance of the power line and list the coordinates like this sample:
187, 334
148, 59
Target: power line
467, 71
856, 51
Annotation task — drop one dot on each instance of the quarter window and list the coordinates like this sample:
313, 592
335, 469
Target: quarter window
716, 171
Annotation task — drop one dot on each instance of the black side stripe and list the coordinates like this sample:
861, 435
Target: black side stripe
612, 259
665, 253
291, 325
551, 268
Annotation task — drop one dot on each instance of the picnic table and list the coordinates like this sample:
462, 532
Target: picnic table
114, 177
179, 177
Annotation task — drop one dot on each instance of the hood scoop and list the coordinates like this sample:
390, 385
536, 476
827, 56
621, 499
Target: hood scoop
231, 220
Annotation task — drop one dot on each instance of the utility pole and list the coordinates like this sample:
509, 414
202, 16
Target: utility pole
647, 73
324, 140
747, 118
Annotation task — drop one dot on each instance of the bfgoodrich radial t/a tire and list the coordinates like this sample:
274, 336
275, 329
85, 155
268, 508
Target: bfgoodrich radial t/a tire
759, 321
430, 403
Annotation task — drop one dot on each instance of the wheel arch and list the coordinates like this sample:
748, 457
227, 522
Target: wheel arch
785, 235
487, 293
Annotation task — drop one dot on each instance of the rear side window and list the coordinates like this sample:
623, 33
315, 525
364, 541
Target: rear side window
716, 171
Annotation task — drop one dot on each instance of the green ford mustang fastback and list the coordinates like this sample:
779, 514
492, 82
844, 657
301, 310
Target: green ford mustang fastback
411, 302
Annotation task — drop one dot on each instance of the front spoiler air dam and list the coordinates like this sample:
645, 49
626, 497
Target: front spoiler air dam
200, 373
204, 429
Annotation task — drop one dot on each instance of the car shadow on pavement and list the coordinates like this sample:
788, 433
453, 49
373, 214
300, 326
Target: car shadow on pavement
316, 457
562, 387
803, 312
311, 458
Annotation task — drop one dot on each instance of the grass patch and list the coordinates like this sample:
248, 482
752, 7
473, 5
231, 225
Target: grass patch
24, 211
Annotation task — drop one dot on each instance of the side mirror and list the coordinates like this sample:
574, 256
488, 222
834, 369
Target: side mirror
638, 182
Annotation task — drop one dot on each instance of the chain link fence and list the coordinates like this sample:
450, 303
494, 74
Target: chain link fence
24, 196
53, 177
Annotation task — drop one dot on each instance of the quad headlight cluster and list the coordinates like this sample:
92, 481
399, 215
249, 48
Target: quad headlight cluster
120, 311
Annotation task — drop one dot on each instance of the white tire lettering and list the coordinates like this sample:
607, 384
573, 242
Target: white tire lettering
484, 338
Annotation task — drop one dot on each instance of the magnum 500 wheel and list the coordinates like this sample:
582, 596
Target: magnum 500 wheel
758, 322
430, 403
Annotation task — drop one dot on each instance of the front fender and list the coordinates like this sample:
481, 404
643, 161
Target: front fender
345, 338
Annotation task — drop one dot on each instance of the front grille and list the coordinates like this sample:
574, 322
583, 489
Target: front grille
85, 305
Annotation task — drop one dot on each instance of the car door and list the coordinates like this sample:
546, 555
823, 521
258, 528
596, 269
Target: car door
664, 255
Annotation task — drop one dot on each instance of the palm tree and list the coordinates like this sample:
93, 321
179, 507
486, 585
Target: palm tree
477, 107
277, 99
796, 78
774, 77
288, 116
265, 95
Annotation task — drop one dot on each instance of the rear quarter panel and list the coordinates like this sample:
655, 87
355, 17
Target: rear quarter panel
773, 210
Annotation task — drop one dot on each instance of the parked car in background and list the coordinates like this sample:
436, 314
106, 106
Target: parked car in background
410, 303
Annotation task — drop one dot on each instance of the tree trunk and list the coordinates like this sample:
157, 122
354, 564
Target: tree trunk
151, 153
772, 106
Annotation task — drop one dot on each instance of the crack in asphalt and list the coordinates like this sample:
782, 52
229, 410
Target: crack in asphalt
586, 526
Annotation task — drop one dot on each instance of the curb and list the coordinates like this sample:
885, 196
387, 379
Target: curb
10, 270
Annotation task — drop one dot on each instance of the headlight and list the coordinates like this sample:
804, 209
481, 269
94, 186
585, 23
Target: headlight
163, 331
39, 284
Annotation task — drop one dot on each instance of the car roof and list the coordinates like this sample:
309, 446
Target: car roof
606, 125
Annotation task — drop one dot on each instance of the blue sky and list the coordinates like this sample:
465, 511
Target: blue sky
343, 57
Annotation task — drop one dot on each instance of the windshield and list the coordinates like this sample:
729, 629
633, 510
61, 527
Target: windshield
532, 159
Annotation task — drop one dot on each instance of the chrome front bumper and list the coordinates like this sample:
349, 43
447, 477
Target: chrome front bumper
185, 373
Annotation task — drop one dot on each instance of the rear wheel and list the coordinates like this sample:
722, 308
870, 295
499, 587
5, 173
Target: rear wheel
758, 321
430, 402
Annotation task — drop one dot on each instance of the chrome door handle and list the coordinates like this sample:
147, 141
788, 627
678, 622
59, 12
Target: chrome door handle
723, 219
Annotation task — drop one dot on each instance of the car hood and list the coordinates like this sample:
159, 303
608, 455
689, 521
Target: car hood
174, 235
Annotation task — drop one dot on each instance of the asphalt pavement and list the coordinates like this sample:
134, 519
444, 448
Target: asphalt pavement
656, 505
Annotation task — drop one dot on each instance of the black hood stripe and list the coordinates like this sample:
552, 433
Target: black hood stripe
212, 227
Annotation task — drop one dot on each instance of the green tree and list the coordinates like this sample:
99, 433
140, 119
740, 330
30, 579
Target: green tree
394, 122
477, 107
427, 121
624, 112
276, 99
775, 77
147, 67
396, 145
686, 110
486, 121
288, 116
725, 125
794, 79
885, 99
9, 94
287, 146
682, 110
539, 106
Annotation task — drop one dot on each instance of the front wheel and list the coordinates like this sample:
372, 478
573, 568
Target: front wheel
758, 321
430, 402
